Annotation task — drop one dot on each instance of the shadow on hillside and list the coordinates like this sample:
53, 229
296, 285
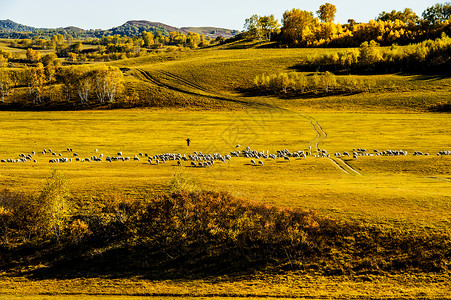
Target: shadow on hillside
62, 106
152, 264
437, 73
254, 92
426, 76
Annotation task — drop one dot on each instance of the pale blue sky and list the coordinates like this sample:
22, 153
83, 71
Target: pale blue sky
93, 14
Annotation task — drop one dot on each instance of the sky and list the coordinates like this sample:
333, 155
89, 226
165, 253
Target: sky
231, 14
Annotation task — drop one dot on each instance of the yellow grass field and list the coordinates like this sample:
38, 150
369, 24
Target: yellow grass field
414, 191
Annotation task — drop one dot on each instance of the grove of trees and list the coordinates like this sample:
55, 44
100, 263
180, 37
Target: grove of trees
296, 84
300, 28
75, 85
431, 55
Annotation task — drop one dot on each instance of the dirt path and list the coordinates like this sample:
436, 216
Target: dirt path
338, 165
197, 90
349, 167
149, 77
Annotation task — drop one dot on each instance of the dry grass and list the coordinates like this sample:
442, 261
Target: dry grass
402, 185
260, 286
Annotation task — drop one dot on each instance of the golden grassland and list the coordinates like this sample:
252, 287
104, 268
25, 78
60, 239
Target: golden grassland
414, 190
257, 287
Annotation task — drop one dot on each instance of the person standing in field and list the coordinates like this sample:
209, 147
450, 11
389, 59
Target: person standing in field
188, 141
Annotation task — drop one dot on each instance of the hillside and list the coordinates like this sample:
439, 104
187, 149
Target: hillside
134, 28
8, 25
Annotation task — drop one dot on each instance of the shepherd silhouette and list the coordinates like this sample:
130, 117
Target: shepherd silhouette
188, 141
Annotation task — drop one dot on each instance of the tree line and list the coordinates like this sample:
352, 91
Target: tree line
75, 85
300, 28
429, 55
296, 84
108, 48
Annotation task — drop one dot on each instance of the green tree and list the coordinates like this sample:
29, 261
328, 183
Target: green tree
268, 26
326, 12
315, 81
261, 28
252, 28
406, 16
284, 81
437, 13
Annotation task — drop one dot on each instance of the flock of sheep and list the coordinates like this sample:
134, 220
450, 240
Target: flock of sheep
198, 159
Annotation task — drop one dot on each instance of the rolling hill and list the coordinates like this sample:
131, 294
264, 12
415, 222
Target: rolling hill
8, 25
11, 29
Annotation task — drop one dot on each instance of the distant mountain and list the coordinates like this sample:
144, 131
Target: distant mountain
134, 28
8, 25
10, 29
212, 32
73, 28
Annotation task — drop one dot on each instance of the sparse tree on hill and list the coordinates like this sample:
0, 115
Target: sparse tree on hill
326, 12
76, 48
